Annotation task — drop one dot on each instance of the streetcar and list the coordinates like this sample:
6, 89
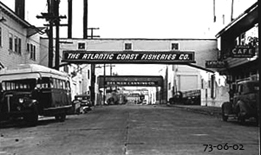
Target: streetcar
30, 90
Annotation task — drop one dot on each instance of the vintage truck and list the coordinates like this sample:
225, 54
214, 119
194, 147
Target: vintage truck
244, 102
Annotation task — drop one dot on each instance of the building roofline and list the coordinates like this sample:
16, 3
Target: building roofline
12, 14
202, 68
132, 76
152, 39
236, 20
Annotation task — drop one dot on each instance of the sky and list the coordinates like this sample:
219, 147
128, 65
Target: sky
134, 19
131, 19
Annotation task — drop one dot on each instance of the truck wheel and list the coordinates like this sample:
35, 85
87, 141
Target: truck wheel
224, 117
32, 119
257, 121
61, 117
226, 108
240, 118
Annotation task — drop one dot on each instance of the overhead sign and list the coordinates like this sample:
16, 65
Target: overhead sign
243, 51
215, 64
131, 83
146, 81
129, 57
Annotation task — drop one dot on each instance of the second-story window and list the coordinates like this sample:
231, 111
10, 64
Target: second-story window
19, 45
81, 46
16, 44
128, 46
32, 51
10, 41
174, 46
28, 47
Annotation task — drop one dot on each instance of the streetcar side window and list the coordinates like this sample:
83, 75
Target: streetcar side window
51, 83
18, 85
45, 82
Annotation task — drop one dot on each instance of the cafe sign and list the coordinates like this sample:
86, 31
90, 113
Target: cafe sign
146, 57
243, 51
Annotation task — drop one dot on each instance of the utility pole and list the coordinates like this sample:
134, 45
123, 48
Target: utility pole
57, 39
50, 36
93, 28
214, 10
52, 16
85, 36
232, 10
92, 66
49, 16
69, 18
85, 19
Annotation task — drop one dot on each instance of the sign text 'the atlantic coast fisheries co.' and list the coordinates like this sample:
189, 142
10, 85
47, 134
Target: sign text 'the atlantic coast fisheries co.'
128, 57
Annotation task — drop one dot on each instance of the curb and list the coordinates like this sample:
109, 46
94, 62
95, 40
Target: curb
211, 111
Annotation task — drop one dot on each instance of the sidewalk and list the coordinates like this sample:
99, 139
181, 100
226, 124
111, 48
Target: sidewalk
207, 110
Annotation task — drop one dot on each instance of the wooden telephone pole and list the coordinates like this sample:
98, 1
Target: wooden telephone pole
52, 16
85, 36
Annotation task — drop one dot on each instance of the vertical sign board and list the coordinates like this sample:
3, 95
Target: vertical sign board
146, 57
215, 64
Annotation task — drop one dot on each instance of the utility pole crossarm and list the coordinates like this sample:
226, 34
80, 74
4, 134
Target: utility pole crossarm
93, 28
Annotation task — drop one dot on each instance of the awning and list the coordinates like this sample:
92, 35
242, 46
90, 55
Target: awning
33, 30
203, 68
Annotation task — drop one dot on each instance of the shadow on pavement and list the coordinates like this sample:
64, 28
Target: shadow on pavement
20, 123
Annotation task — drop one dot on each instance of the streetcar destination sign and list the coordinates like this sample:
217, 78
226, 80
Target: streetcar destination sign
129, 56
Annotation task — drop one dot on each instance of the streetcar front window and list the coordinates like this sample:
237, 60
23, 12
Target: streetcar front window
27, 84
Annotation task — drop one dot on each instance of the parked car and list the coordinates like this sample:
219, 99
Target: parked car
245, 102
82, 104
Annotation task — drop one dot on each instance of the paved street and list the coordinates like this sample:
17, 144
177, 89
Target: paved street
131, 130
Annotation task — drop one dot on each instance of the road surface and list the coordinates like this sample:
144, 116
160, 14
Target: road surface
130, 130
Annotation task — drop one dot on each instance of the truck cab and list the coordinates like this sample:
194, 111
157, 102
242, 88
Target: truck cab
244, 102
